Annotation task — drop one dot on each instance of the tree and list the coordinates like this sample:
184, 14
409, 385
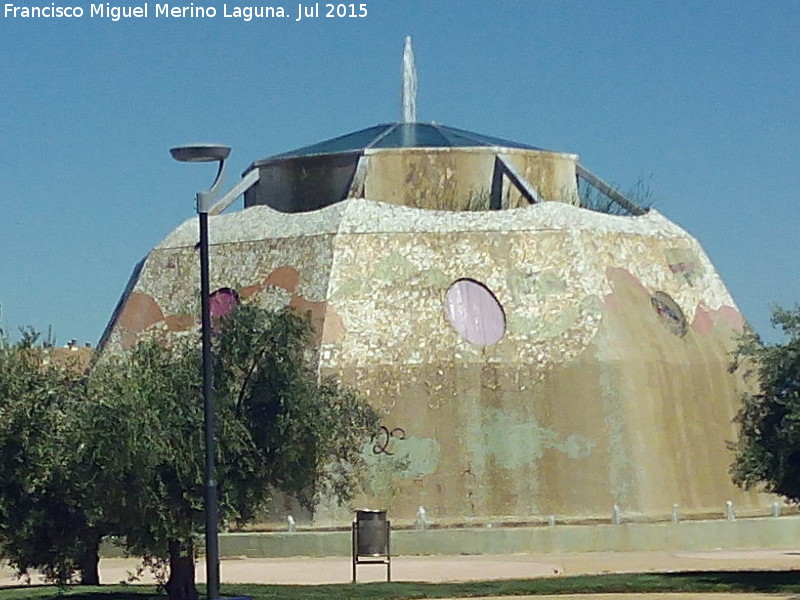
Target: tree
768, 448
121, 452
143, 428
278, 428
49, 517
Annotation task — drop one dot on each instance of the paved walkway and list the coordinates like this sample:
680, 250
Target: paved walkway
469, 568
511, 566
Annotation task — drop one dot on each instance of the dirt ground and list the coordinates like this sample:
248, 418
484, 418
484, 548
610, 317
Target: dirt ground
311, 571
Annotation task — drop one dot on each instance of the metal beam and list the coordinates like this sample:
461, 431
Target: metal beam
359, 177
522, 184
496, 197
240, 188
609, 191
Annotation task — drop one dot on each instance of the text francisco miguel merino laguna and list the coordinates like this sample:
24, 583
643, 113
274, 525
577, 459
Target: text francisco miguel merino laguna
142, 11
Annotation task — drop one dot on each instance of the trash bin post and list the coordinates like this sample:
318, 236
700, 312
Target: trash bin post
371, 540
355, 551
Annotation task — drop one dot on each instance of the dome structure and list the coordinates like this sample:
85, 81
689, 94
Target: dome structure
536, 342
404, 135
538, 358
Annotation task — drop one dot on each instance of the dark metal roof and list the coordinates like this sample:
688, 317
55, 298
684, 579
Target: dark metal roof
403, 135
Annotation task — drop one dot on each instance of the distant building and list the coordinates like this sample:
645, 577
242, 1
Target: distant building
72, 357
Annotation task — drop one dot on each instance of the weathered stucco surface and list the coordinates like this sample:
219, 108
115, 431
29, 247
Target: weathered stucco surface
610, 384
454, 179
458, 179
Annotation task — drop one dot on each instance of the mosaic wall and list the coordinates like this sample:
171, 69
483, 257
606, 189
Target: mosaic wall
460, 178
533, 361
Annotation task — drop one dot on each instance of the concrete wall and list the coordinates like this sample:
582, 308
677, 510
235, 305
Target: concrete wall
592, 396
461, 178
609, 384
774, 533
455, 179
304, 183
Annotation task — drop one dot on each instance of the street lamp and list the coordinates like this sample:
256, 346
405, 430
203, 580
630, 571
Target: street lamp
207, 153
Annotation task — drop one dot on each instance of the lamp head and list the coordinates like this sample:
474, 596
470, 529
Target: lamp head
201, 153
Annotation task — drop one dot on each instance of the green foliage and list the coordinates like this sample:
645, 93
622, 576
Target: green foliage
122, 451
143, 426
768, 448
302, 435
278, 428
49, 519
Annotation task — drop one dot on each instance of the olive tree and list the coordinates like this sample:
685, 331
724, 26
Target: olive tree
768, 447
121, 452
51, 517
279, 428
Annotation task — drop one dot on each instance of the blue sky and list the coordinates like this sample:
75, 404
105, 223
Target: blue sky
698, 100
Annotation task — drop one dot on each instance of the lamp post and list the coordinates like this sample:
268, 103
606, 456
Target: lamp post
207, 153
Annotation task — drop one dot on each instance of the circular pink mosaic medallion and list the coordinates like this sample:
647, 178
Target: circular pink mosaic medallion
475, 313
222, 301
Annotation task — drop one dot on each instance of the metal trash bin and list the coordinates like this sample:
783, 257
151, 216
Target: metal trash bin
371, 545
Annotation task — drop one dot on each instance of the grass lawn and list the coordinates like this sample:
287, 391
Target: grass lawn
776, 582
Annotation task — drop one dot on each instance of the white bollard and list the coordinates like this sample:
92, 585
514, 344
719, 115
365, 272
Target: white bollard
292, 526
615, 515
776, 509
729, 514
421, 523
675, 515
551, 520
